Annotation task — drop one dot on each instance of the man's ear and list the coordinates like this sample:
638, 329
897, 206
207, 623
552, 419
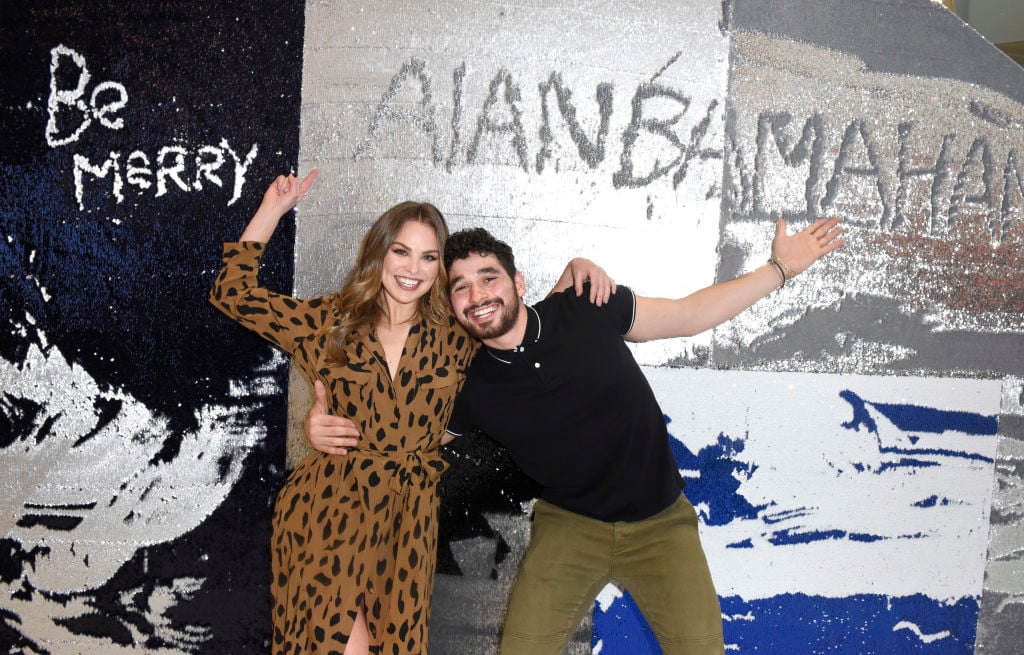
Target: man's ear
520, 284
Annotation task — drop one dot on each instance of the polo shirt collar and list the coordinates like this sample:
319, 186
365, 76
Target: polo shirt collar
530, 337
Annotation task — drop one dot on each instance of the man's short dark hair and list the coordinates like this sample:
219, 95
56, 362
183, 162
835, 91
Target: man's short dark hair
479, 241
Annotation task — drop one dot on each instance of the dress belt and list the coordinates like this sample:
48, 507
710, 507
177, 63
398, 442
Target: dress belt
407, 466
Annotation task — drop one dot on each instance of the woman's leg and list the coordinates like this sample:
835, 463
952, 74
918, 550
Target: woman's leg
359, 640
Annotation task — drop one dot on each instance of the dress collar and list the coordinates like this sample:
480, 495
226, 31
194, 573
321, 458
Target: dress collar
363, 350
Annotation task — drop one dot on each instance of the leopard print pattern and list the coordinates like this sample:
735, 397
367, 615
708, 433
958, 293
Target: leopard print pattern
357, 531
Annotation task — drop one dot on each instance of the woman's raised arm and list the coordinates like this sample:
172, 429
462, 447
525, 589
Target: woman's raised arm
280, 197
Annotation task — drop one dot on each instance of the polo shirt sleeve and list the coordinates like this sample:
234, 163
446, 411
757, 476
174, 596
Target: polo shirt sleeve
461, 420
622, 304
619, 311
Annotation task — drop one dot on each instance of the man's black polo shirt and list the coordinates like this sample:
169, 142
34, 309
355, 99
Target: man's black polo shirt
575, 411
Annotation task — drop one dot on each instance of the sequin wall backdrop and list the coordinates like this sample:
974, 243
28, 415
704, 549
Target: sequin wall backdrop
852, 443
844, 461
136, 468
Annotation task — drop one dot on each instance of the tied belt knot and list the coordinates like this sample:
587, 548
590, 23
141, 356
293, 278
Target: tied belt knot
406, 467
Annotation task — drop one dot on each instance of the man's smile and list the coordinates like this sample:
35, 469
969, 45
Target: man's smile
483, 311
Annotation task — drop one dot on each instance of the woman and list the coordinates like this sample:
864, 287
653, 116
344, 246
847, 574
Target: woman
354, 538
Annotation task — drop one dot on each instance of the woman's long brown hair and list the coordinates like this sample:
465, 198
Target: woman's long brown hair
360, 303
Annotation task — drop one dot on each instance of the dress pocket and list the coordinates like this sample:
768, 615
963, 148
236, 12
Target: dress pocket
437, 378
351, 390
434, 385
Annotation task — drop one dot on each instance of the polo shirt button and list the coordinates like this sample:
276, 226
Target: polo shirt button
536, 364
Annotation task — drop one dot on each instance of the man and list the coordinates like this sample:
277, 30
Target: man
556, 384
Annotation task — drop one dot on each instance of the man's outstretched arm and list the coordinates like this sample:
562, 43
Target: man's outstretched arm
660, 318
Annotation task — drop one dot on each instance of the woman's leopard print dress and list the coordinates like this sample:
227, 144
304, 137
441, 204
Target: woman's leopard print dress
358, 530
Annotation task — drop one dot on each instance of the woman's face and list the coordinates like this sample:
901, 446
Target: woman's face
411, 264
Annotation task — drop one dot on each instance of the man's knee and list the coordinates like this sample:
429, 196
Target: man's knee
710, 645
514, 642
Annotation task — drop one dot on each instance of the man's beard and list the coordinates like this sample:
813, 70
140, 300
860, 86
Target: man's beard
499, 326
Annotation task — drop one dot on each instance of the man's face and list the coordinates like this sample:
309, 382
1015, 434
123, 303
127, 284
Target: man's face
485, 300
